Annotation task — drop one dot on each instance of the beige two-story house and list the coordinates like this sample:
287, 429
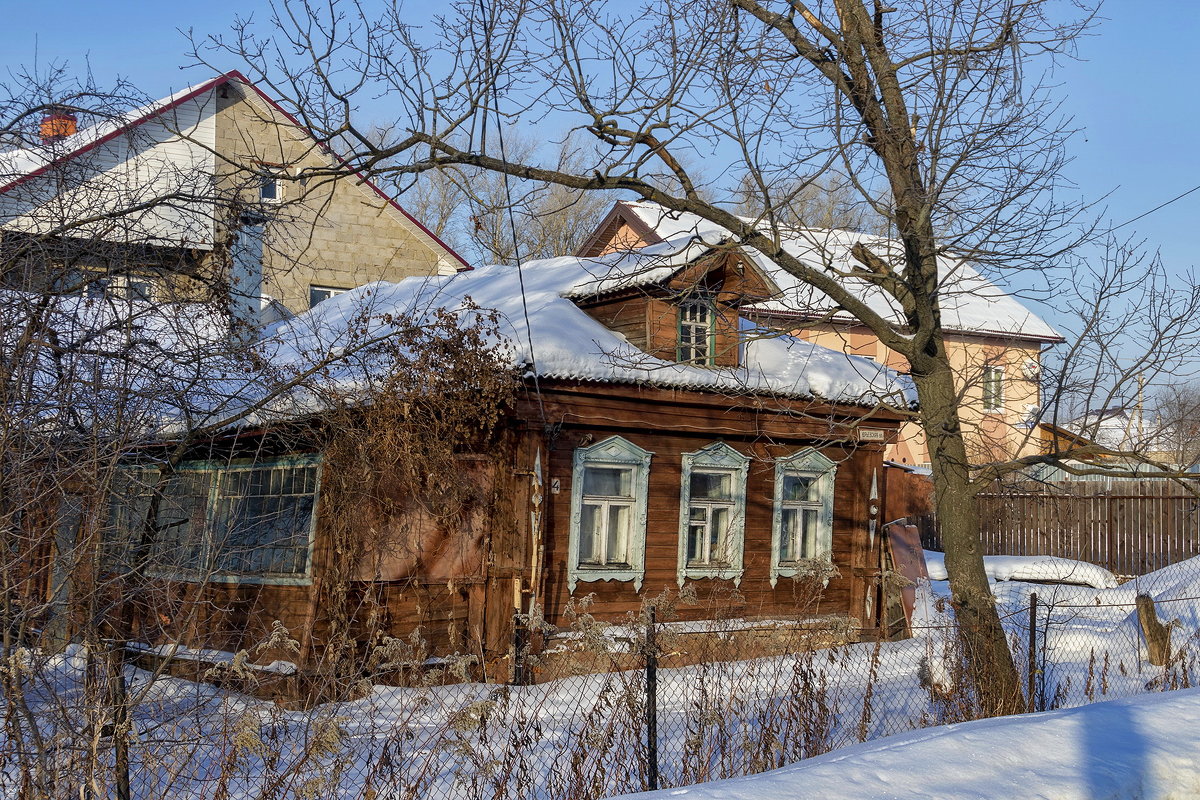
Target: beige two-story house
214, 186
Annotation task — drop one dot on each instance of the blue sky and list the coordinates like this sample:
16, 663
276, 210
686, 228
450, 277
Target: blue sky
1134, 93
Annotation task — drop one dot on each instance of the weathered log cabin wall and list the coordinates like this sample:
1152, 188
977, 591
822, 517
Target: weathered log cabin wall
460, 582
669, 423
648, 317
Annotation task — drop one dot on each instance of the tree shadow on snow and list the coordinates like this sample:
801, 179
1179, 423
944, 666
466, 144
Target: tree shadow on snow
1113, 754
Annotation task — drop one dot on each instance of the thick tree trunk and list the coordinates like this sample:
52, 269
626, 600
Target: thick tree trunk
985, 646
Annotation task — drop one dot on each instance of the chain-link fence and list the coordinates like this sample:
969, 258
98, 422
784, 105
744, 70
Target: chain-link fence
595, 709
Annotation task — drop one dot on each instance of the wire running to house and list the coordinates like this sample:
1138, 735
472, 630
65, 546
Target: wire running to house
492, 75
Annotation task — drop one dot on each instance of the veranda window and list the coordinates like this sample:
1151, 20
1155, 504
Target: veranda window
248, 522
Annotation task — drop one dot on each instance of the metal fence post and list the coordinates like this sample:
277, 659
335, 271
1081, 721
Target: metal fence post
651, 703
519, 678
1032, 703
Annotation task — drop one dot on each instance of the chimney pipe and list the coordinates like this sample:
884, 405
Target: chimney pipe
57, 125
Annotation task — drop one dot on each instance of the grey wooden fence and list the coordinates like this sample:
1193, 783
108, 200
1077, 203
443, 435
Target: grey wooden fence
1130, 527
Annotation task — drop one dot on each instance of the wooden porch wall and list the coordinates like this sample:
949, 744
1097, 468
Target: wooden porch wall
1129, 527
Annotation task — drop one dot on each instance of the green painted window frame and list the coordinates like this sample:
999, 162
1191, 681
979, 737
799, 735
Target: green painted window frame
213, 497
717, 457
709, 304
993, 389
812, 464
620, 453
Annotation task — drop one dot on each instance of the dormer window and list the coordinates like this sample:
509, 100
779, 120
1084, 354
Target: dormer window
697, 318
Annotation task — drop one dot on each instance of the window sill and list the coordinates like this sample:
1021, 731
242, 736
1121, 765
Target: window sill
591, 574
727, 572
808, 567
228, 579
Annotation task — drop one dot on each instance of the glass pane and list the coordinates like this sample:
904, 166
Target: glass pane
712, 486
790, 519
608, 482
697, 528
262, 518
589, 533
719, 535
618, 534
182, 525
809, 517
797, 488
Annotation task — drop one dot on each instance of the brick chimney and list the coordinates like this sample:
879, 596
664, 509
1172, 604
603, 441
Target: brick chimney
58, 125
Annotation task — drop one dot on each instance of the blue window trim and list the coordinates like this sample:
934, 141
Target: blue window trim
812, 463
717, 456
617, 452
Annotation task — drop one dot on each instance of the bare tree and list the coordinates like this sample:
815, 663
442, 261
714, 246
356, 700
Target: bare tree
499, 219
820, 202
938, 115
1176, 412
127, 350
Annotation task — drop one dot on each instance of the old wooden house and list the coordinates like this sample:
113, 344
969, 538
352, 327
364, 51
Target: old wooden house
656, 441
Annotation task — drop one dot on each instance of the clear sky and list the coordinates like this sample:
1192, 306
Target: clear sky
1135, 93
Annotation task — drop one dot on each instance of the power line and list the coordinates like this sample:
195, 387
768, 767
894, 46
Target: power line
1156, 208
512, 222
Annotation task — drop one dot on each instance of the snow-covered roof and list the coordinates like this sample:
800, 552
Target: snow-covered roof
1122, 428
19, 165
970, 303
178, 366
552, 336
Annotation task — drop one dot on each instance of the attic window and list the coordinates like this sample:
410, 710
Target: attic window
696, 330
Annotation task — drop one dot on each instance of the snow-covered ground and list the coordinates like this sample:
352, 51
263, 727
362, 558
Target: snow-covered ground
1139, 748
584, 736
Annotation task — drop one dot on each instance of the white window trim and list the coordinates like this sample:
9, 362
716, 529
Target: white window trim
201, 576
710, 330
716, 457
612, 452
998, 405
814, 464
278, 174
334, 291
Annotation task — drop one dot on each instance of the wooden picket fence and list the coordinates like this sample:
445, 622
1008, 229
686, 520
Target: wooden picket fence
1130, 527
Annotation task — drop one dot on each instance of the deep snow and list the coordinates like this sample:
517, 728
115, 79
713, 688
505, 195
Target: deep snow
1138, 748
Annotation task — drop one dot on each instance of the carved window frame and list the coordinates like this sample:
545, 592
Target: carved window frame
716, 457
618, 452
813, 464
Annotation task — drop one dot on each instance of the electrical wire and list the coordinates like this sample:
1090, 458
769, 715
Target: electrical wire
512, 222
